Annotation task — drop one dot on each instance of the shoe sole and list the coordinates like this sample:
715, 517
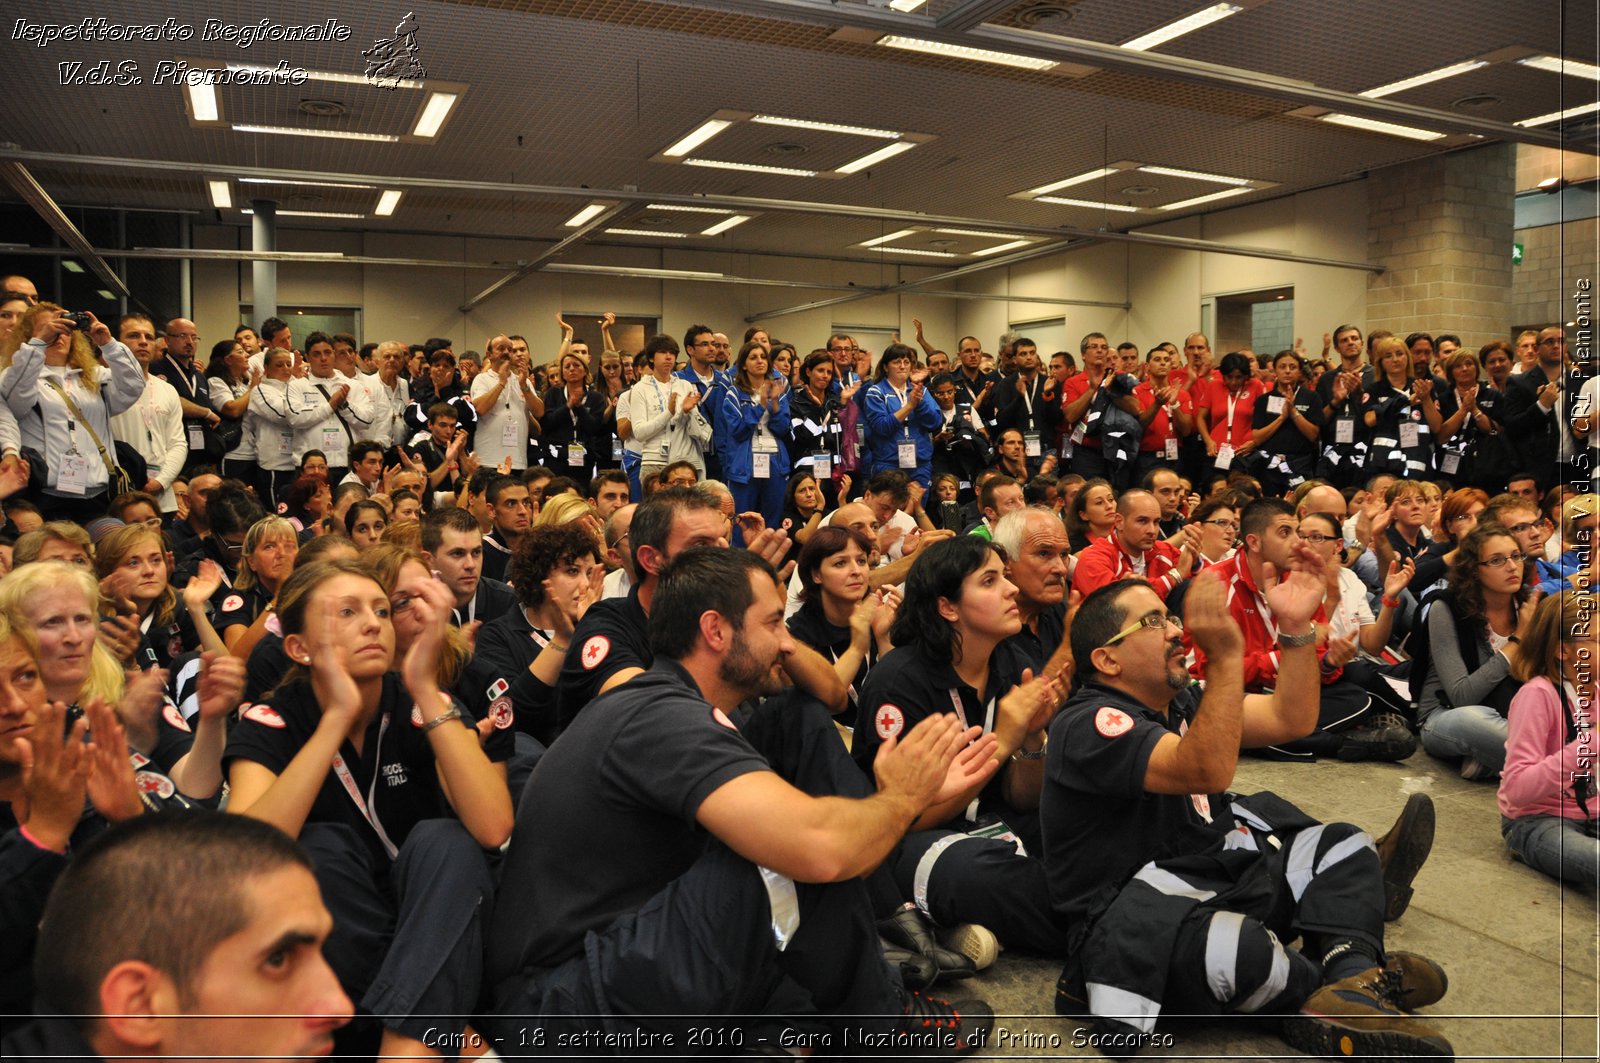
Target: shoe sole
975, 942
1331, 1039
1390, 749
1416, 826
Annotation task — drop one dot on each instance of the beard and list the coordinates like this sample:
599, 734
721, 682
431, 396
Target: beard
746, 672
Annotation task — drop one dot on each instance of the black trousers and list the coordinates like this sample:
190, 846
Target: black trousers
958, 878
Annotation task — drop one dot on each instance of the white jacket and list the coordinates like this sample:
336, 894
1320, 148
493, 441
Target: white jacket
154, 427
44, 421
664, 434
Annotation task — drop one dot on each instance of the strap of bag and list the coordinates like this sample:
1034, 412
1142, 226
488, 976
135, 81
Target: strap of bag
72, 407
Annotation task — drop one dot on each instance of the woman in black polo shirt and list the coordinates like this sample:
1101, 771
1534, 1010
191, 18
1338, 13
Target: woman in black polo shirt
842, 618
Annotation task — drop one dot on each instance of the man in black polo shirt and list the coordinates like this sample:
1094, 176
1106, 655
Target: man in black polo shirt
511, 510
453, 547
1180, 893
1037, 557
666, 871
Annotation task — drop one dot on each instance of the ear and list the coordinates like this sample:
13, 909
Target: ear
138, 1003
295, 646
1116, 522
650, 560
1104, 660
949, 610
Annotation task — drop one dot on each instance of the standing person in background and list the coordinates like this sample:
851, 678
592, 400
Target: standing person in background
901, 418
1401, 412
754, 431
665, 411
1225, 407
281, 405
1539, 408
177, 367
573, 427
154, 425
816, 426
503, 397
391, 394
231, 382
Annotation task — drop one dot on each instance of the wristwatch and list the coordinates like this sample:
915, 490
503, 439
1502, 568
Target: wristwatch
1293, 641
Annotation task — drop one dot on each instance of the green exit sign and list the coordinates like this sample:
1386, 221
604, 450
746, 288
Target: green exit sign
1516, 254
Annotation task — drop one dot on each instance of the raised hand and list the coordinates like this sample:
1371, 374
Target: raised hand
771, 544
99, 335
561, 323
971, 768
1340, 652
221, 686
432, 607
203, 584
1030, 704
1399, 578
1295, 601
691, 400
861, 621
1206, 618
916, 765
883, 618
54, 773
111, 786
331, 682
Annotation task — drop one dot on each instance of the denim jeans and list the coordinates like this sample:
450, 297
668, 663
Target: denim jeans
1475, 731
1566, 849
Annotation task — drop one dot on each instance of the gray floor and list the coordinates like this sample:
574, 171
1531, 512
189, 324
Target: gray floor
1520, 949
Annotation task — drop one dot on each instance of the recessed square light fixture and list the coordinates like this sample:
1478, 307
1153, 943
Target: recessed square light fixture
825, 127
1188, 24
1196, 175
331, 134
388, 202
1559, 116
221, 195
1427, 78
1208, 198
71, 266
681, 151
725, 224
311, 184
906, 5
585, 215
202, 102
647, 232
749, 167
312, 214
1056, 186
433, 115
1121, 208
1010, 245
696, 137
961, 51
872, 158
876, 240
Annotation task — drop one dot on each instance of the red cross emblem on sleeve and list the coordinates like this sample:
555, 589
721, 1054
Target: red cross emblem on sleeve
889, 721
594, 651
1112, 722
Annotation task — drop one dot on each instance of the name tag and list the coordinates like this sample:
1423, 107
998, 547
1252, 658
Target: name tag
822, 465
286, 443
1452, 462
332, 440
761, 465
197, 438
509, 433
908, 454
1344, 430
1172, 449
616, 449
1408, 435
575, 455
1275, 404
73, 474
1224, 457
1030, 445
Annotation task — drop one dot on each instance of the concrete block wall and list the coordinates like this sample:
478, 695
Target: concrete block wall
1554, 258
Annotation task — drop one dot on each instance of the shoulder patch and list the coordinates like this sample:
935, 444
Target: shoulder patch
595, 649
888, 721
264, 715
500, 712
151, 782
170, 713
1112, 722
232, 602
498, 687
416, 715
722, 718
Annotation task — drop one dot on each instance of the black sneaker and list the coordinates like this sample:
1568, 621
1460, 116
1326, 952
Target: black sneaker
1403, 851
909, 929
931, 1026
1384, 737
1358, 1016
916, 970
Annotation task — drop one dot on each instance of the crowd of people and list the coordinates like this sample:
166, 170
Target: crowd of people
527, 701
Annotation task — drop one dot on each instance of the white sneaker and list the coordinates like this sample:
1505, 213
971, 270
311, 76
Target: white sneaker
977, 943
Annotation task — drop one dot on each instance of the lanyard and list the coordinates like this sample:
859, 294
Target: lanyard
1233, 406
660, 397
188, 385
1027, 399
540, 639
471, 611
988, 725
905, 430
368, 807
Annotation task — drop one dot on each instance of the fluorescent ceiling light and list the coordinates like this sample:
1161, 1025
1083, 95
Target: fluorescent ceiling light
586, 214
70, 266
645, 232
328, 75
978, 232
876, 240
888, 151
105, 293
1095, 204
1424, 79
707, 129
1210, 198
331, 134
387, 202
1373, 126
685, 210
312, 184
1055, 186
961, 51
915, 251
997, 248
906, 5
1555, 64
1188, 24
1560, 116
433, 114
221, 194
825, 127
311, 214
203, 102
749, 167
1196, 175
725, 224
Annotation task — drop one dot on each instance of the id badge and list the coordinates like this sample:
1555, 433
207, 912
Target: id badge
1344, 430
822, 465
509, 433
1224, 456
761, 465
616, 449
73, 476
1452, 462
1408, 435
331, 440
908, 454
1275, 404
1172, 449
197, 438
1079, 432
1031, 445
286, 443
575, 455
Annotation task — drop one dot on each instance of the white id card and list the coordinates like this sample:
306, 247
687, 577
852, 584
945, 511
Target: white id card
1172, 449
616, 449
1344, 430
509, 434
1408, 435
1079, 432
332, 440
761, 465
1452, 462
822, 465
197, 438
285, 442
1030, 445
73, 475
908, 454
575, 455
1224, 456
1274, 404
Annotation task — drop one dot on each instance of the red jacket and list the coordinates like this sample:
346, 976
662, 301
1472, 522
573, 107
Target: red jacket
1105, 561
1254, 617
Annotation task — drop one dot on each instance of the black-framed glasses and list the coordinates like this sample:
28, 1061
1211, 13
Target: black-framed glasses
1150, 620
1318, 538
1502, 560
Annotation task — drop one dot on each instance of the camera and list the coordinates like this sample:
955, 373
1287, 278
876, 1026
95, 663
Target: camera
80, 320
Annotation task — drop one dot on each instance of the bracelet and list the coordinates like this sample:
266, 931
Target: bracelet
1390, 603
36, 843
453, 714
1024, 754
1290, 642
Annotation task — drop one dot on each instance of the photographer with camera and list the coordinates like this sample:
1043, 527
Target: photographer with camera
64, 400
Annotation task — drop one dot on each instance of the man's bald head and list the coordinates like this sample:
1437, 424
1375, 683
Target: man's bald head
1324, 499
857, 515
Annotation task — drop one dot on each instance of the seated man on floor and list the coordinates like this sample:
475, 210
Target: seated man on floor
1180, 894
1135, 549
666, 871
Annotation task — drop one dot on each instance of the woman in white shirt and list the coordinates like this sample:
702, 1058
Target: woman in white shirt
280, 406
232, 384
37, 379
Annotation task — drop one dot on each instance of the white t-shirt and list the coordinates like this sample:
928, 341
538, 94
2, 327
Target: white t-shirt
1354, 609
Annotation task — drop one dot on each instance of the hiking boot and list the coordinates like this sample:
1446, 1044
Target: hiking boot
976, 943
1417, 980
1402, 852
916, 970
909, 929
1359, 1016
930, 1025
1384, 737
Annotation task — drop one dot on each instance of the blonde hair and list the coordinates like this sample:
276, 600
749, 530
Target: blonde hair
1380, 351
562, 509
105, 678
387, 560
265, 528
79, 356
28, 545
114, 550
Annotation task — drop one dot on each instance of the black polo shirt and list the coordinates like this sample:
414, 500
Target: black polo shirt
613, 635
496, 557
160, 644
1099, 824
906, 687
609, 817
1035, 649
230, 606
1288, 440
490, 601
810, 626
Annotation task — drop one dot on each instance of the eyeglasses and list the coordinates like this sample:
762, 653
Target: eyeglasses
1318, 538
233, 548
1225, 525
1502, 560
1150, 620
1521, 529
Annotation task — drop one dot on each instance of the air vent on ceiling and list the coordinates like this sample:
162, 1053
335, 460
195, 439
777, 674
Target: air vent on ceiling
785, 148
1046, 17
1140, 190
322, 108
1476, 102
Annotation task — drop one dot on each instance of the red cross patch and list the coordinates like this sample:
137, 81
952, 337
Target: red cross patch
170, 713
594, 651
232, 602
152, 783
1112, 722
500, 712
263, 715
889, 721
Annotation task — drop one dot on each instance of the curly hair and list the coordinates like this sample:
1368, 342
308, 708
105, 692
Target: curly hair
1466, 582
939, 572
540, 552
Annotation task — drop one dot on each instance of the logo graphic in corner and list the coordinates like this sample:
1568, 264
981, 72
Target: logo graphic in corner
889, 721
595, 651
